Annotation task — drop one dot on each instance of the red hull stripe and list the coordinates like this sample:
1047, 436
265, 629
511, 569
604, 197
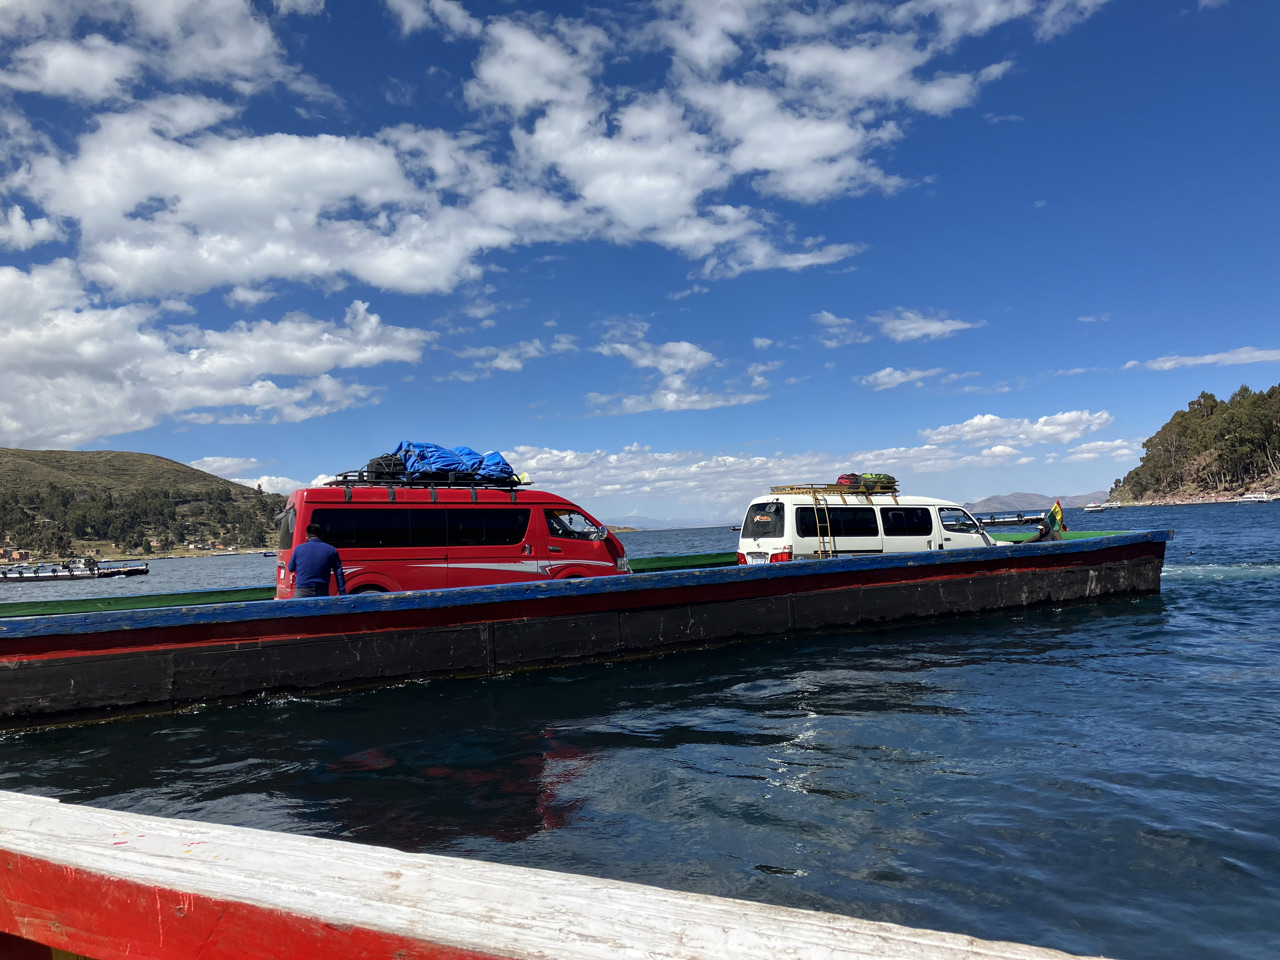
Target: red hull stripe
120, 886
161, 629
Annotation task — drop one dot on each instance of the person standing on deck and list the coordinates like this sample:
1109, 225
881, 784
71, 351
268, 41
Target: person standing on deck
311, 563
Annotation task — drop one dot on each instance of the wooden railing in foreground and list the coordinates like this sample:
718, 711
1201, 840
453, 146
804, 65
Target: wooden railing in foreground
112, 885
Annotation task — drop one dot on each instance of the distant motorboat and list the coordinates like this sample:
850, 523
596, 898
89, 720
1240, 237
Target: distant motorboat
1253, 498
1093, 507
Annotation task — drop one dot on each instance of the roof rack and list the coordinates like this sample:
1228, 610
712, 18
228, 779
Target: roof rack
836, 489
364, 478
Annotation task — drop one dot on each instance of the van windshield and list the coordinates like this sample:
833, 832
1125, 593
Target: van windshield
764, 520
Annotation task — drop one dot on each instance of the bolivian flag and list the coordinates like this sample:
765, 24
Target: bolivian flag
1055, 517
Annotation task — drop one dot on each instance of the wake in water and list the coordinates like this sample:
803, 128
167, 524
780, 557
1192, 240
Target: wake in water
1220, 571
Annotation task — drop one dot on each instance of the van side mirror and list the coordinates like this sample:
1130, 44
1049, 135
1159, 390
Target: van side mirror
602, 533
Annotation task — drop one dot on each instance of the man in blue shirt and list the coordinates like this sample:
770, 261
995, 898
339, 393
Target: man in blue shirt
312, 562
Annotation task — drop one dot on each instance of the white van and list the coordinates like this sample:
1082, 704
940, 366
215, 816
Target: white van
815, 522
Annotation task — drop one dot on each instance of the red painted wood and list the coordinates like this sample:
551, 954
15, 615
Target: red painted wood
112, 919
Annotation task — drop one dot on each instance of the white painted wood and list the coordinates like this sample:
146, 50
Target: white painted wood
511, 911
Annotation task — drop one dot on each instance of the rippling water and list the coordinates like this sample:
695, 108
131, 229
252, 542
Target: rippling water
1099, 778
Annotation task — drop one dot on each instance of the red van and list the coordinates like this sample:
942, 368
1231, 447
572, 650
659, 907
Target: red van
403, 537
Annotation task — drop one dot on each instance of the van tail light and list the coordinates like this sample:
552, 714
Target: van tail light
624, 565
742, 558
781, 557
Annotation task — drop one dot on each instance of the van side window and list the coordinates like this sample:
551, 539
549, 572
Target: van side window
486, 526
287, 520
764, 520
906, 521
570, 525
364, 527
956, 520
845, 522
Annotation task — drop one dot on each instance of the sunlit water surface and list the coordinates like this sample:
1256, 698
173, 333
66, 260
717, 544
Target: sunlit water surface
1100, 778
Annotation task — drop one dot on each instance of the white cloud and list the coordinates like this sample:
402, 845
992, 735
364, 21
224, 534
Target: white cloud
889, 377
447, 15
226, 467
273, 484
1226, 359
1057, 428
837, 331
511, 359
676, 362
1118, 450
218, 41
17, 233
74, 370
757, 373
761, 343
903, 325
305, 8
693, 479
91, 69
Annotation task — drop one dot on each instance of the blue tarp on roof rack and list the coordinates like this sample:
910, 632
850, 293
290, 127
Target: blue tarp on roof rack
429, 459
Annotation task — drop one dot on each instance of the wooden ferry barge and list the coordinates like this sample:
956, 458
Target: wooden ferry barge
53, 668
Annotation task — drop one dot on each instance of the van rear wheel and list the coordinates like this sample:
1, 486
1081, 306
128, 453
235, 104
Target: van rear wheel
369, 588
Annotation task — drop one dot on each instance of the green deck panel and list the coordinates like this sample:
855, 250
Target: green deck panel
1069, 535
40, 608
690, 561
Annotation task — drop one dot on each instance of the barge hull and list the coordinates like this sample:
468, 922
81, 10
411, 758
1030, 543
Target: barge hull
66, 665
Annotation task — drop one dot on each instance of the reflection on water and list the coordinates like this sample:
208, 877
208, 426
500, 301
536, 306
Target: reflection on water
1088, 778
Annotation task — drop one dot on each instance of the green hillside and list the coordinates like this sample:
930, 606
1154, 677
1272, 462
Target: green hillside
58, 503
1214, 446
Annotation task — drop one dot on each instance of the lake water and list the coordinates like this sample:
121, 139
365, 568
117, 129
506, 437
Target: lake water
1100, 778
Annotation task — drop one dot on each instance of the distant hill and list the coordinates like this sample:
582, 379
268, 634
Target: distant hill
57, 503
115, 470
1030, 501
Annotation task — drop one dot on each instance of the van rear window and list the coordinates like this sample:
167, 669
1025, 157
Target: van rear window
845, 522
764, 520
385, 527
356, 528
907, 521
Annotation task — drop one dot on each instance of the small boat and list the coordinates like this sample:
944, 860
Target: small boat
1093, 506
79, 569
1253, 498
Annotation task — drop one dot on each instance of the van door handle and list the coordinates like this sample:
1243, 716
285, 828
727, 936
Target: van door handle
554, 550
527, 549
948, 539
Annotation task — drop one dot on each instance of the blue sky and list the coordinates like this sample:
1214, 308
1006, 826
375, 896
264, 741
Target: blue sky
660, 254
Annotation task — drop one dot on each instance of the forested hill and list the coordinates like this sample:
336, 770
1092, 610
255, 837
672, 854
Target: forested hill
1213, 446
57, 503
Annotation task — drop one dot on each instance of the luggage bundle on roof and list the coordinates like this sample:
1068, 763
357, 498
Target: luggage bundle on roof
428, 463
869, 482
